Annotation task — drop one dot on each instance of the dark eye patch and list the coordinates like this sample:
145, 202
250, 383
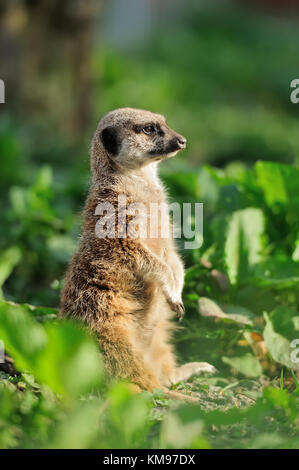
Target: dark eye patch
137, 128
159, 130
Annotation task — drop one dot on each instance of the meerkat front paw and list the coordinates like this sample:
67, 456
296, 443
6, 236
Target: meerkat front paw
177, 307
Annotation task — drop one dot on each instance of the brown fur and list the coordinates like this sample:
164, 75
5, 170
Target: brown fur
127, 290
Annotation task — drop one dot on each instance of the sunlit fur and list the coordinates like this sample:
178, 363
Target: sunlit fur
128, 290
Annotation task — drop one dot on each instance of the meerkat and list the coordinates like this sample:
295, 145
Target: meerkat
127, 289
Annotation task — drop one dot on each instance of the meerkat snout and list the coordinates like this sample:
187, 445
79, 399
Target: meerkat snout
181, 141
132, 138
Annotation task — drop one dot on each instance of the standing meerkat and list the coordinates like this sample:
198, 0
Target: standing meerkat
127, 285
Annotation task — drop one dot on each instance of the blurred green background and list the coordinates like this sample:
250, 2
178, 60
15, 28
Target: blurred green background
220, 72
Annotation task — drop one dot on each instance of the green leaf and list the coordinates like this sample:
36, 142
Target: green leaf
60, 355
279, 183
243, 245
282, 326
278, 271
176, 434
295, 255
18, 199
80, 428
8, 260
71, 362
44, 178
282, 399
184, 183
234, 313
247, 365
41, 314
22, 336
128, 412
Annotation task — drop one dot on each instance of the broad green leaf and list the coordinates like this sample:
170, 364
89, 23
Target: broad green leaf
80, 428
128, 412
279, 183
22, 336
234, 313
243, 245
184, 183
247, 365
278, 271
176, 434
60, 355
41, 314
71, 362
285, 321
282, 326
282, 399
208, 185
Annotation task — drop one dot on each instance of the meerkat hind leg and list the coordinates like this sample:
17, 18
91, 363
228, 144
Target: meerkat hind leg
180, 396
135, 389
123, 359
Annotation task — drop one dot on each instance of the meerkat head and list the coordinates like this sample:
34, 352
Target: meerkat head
131, 138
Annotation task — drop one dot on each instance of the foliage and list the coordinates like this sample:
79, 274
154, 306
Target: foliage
241, 317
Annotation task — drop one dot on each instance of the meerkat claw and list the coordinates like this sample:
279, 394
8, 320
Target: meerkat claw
181, 311
178, 308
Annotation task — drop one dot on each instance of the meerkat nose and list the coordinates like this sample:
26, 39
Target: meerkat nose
181, 141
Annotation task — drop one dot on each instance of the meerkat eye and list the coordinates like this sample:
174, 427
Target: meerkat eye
149, 130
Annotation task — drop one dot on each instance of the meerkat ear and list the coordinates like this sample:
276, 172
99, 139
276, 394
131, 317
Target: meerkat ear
110, 140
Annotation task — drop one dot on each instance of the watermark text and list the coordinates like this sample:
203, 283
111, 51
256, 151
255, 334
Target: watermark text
2, 92
138, 220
